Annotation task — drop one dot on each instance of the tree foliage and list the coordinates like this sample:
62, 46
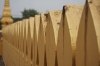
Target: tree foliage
29, 13
16, 19
0, 25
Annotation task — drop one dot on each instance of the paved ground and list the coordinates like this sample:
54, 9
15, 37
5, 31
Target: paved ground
1, 62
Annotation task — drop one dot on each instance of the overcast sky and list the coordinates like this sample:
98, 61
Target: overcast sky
40, 5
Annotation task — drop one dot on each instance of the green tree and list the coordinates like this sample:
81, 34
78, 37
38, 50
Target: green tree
0, 24
16, 19
29, 13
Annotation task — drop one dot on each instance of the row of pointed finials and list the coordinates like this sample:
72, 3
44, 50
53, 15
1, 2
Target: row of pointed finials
70, 37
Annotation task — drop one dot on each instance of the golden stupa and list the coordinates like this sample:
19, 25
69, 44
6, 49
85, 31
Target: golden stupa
6, 16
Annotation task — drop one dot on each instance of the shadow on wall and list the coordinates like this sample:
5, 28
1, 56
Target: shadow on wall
1, 61
0, 43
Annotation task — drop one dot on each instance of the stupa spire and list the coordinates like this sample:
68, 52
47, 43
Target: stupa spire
6, 16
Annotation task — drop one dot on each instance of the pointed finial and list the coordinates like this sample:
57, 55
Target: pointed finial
6, 3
